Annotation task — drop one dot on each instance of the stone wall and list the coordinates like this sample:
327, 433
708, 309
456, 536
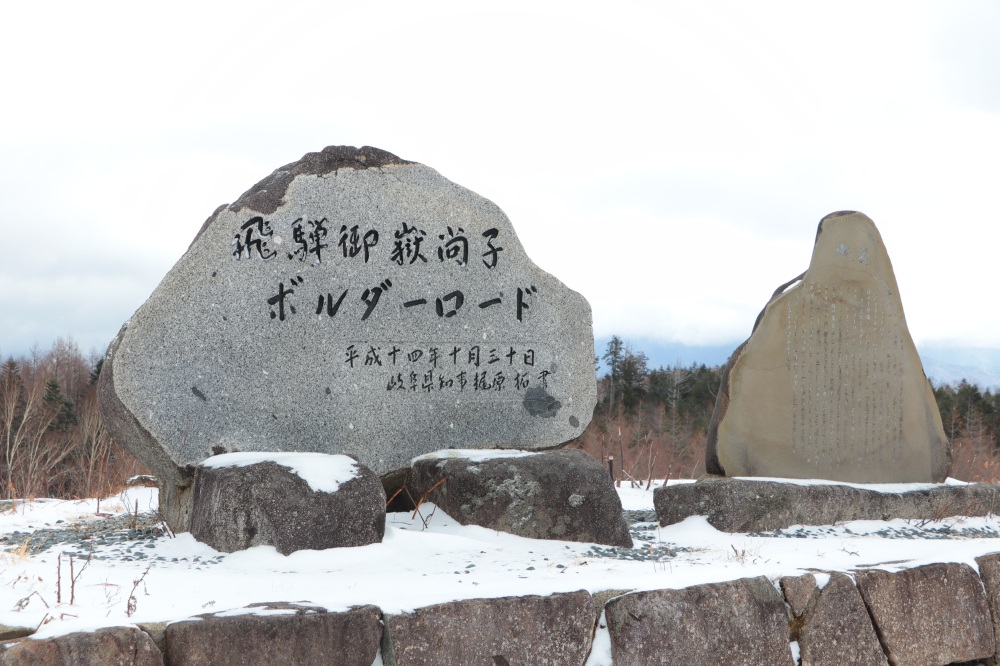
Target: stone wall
935, 614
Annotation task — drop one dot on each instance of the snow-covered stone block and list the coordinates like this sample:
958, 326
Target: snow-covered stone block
932, 614
109, 646
292, 501
277, 633
554, 630
760, 505
736, 622
565, 495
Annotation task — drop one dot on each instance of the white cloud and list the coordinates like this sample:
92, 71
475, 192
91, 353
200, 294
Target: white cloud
629, 144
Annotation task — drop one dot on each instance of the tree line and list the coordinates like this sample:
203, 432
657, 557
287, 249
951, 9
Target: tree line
53, 439
653, 422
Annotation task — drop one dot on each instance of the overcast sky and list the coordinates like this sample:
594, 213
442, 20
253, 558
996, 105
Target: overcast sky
669, 160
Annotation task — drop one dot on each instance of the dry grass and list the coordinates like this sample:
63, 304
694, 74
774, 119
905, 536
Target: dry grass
975, 460
644, 451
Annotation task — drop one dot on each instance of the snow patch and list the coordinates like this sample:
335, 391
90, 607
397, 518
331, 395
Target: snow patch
424, 559
324, 473
877, 487
475, 455
600, 650
85, 625
259, 610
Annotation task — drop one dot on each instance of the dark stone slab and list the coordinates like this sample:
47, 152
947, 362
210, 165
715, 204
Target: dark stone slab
555, 630
351, 302
267, 504
10, 632
287, 634
114, 646
748, 505
565, 495
837, 630
934, 614
737, 622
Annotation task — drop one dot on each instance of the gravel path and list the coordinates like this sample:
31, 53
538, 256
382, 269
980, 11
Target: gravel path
80, 538
127, 538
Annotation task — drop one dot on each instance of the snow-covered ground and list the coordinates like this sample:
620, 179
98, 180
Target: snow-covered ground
423, 560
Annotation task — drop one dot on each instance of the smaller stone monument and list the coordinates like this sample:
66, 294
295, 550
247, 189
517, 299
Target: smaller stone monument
829, 385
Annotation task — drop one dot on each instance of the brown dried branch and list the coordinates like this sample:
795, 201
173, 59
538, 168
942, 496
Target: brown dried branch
424, 496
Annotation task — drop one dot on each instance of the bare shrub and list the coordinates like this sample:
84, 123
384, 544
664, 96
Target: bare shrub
52, 438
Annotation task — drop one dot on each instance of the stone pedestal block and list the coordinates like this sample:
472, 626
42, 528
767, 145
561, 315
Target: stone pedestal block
737, 622
564, 495
292, 502
757, 505
114, 646
837, 631
934, 614
277, 633
556, 630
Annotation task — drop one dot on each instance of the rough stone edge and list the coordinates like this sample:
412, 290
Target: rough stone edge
10, 632
989, 574
712, 464
268, 194
299, 608
602, 597
156, 630
864, 579
948, 501
202, 530
761, 581
5, 644
386, 648
801, 623
439, 493
174, 482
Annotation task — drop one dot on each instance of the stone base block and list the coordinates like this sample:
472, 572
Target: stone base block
749, 505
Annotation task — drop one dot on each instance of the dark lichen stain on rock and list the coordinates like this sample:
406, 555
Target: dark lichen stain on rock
198, 394
573, 421
539, 403
267, 195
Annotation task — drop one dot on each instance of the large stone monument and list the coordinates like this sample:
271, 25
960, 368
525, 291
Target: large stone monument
351, 302
829, 385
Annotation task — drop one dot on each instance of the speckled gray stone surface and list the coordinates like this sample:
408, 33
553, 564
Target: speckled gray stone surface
351, 302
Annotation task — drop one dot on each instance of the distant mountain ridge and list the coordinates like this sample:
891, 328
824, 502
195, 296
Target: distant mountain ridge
950, 365
943, 364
